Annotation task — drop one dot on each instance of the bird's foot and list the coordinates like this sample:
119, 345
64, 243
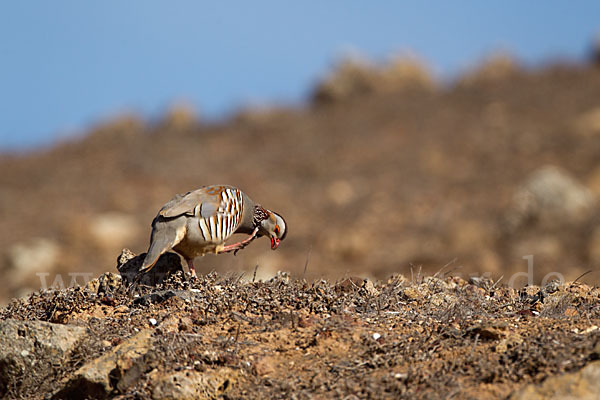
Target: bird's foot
241, 245
190, 263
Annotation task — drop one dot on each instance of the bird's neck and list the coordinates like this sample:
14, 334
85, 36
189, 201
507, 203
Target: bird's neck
247, 223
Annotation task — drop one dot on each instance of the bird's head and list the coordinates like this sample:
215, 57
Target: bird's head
272, 225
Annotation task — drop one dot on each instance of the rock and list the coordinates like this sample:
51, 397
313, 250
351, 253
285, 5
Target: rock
355, 76
370, 288
106, 283
116, 369
110, 230
35, 255
489, 331
510, 341
128, 265
414, 293
265, 366
550, 197
442, 299
352, 77
404, 72
340, 192
192, 385
32, 347
583, 385
498, 67
349, 285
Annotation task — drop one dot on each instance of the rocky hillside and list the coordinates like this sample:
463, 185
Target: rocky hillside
231, 337
383, 171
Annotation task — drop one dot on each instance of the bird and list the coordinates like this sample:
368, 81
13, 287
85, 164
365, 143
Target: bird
200, 221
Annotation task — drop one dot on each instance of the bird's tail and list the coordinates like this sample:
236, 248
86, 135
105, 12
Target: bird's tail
165, 235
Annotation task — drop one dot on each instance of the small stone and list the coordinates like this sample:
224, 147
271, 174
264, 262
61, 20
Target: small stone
413, 293
349, 285
376, 336
153, 322
370, 288
589, 330
571, 312
122, 309
264, 366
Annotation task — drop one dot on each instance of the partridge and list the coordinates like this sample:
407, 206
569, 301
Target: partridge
200, 221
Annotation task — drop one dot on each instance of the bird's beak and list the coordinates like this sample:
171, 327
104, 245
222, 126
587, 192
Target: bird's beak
274, 243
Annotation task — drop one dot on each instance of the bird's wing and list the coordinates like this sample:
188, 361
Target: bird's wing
218, 222
200, 202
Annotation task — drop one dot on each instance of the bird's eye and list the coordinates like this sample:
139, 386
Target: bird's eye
277, 229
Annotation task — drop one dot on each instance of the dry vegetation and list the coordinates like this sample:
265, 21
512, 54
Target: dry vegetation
221, 337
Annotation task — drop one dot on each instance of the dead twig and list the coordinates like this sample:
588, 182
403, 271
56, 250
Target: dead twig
306, 263
579, 277
445, 266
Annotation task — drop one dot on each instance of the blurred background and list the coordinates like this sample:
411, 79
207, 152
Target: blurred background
395, 137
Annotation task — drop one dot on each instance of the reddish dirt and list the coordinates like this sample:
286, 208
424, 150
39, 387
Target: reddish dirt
286, 338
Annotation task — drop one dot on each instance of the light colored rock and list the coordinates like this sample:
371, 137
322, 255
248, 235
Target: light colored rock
355, 76
370, 288
111, 230
405, 71
550, 197
105, 283
97, 378
193, 385
265, 366
497, 67
414, 293
351, 77
35, 255
340, 192
32, 347
582, 385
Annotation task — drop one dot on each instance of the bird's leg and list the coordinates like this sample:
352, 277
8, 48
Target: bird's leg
239, 246
190, 263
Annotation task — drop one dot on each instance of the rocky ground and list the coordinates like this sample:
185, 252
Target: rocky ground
233, 337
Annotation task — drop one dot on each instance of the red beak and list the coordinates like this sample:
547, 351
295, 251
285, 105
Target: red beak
274, 243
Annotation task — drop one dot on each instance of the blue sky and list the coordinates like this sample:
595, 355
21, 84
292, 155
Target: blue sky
65, 65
